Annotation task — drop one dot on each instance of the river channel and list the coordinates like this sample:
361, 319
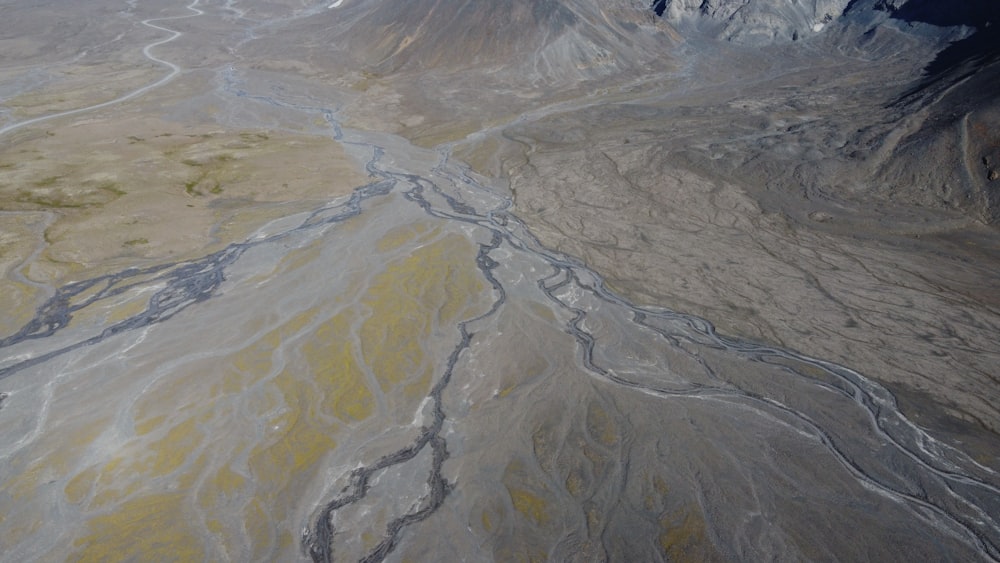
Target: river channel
407, 373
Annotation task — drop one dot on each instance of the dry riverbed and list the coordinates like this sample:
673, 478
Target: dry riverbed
141, 190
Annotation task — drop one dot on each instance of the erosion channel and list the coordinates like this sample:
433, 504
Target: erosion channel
324, 341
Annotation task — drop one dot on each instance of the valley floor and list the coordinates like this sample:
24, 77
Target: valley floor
280, 305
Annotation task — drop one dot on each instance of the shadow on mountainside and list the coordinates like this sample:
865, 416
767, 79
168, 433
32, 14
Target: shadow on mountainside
975, 51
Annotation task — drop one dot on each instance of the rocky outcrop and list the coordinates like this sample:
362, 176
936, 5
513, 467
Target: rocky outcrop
933, 144
753, 21
776, 21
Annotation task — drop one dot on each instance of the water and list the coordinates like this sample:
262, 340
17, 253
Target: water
408, 373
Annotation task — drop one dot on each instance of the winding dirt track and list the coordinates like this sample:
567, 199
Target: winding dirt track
147, 51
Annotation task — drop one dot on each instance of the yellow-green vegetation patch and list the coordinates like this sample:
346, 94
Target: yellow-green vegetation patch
57, 192
434, 284
600, 425
486, 519
19, 236
59, 461
117, 182
684, 536
528, 496
47, 181
530, 505
79, 85
178, 421
400, 235
434, 135
156, 527
366, 80
574, 482
233, 441
18, 302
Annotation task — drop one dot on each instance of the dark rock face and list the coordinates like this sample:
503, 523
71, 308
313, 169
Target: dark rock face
766, 21
926, 145
980, 46
752, 22
974, 13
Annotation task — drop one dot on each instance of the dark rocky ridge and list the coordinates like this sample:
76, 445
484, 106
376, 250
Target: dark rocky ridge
934, 142
754, 22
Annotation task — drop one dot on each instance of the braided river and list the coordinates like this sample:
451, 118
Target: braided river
406, 373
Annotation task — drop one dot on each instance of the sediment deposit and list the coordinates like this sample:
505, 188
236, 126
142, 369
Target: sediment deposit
294, 290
